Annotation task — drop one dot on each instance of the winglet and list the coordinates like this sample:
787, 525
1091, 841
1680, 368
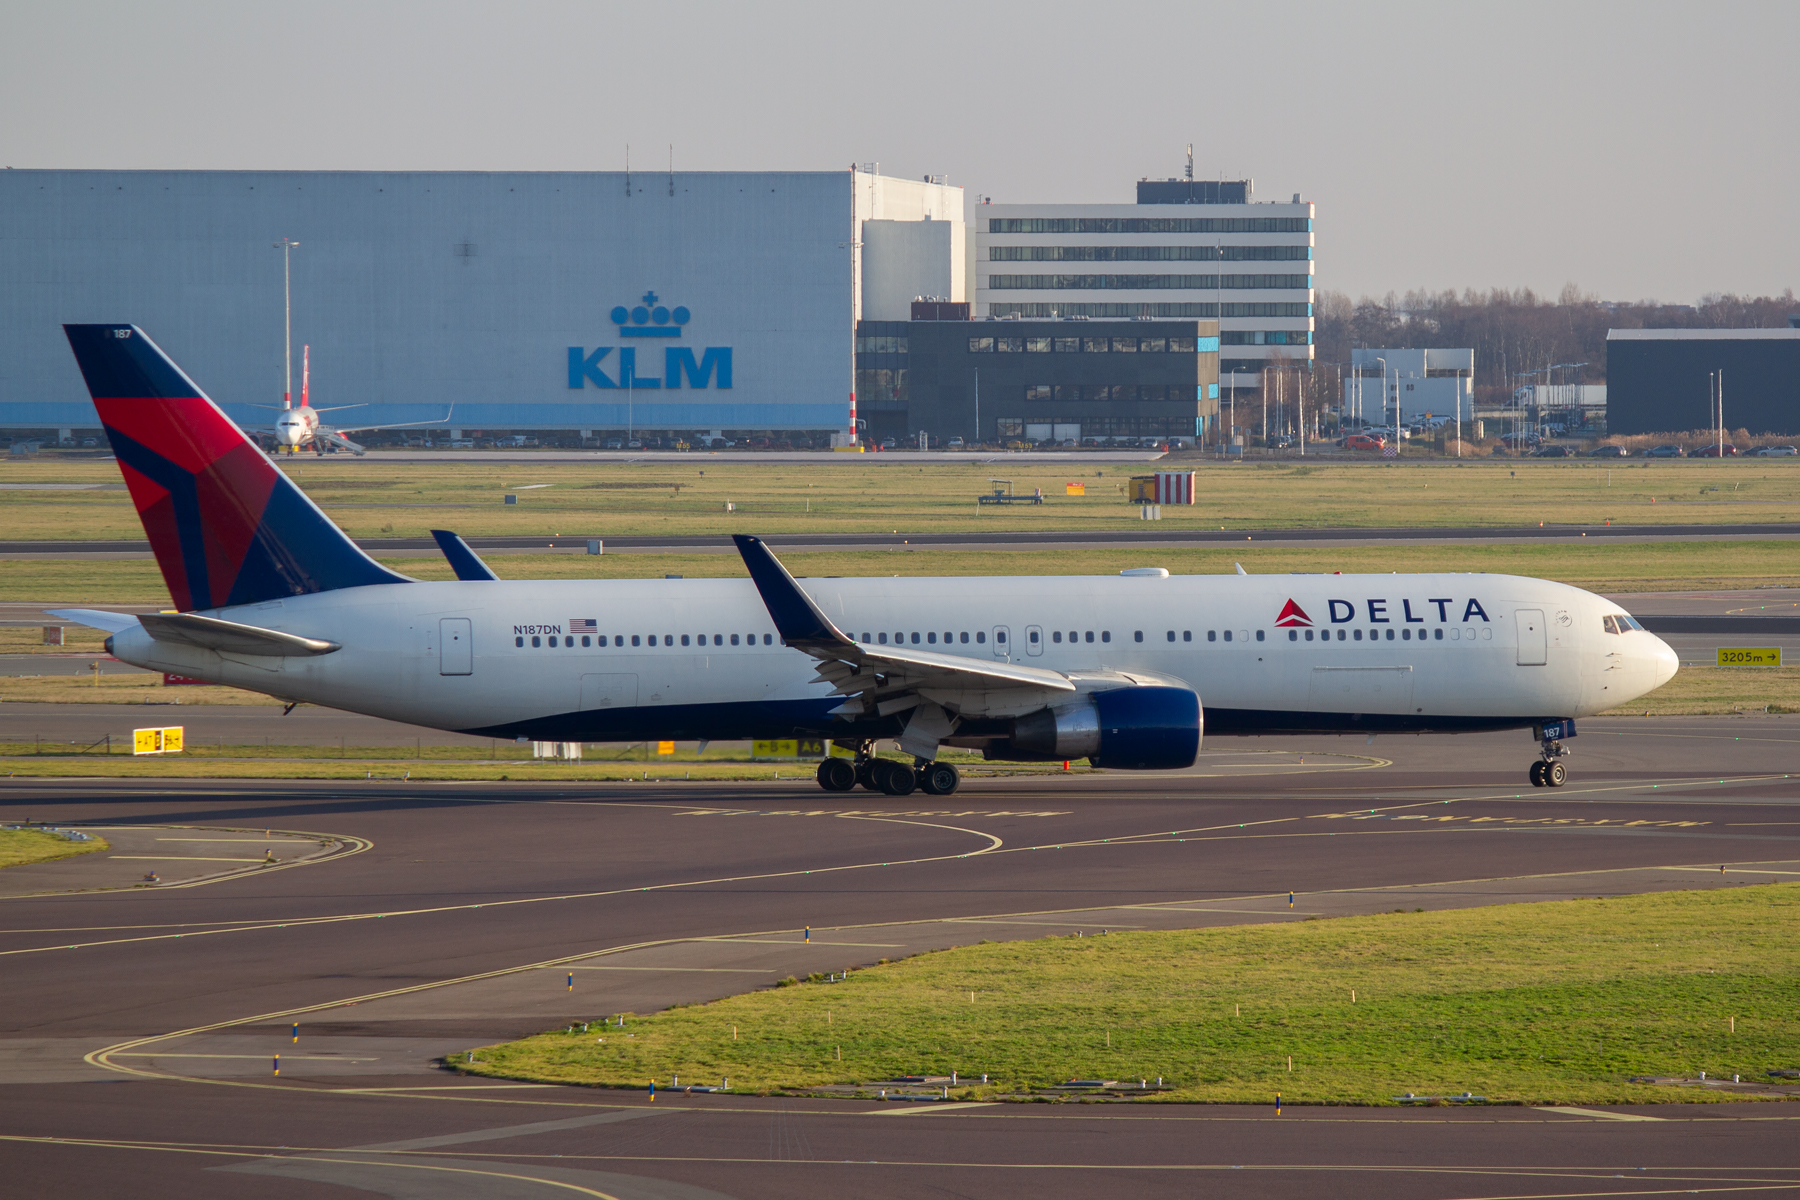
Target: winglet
465, 562
796, 617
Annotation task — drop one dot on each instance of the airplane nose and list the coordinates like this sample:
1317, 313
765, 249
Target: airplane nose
1666, 662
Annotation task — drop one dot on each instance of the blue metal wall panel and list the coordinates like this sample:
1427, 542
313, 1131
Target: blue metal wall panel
421, 290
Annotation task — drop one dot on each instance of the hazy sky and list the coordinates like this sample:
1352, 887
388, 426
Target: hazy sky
1640, 150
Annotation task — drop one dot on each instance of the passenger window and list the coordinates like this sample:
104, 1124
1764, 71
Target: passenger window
1228, 635
1137, 635
965, 639
1187, 635
1106, 635
980, 637
1056, 636
1000, 636
1034, 637
948, 637
931, 639
883, 638
899, 638
1437, 635
1359, 635
1390, 635
634, 639
915, 639
684, 639
518, 641
1259, 634
1406, 635
1294, 635
536, 642
1212, 635
1090, 635
768, 639
734, 639
584, 641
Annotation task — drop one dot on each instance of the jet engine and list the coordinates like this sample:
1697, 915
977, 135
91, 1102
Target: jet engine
1134, 728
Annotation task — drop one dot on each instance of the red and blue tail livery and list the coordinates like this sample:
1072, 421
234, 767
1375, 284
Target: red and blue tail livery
226, 525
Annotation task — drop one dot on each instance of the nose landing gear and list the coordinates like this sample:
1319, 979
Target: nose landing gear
1549, 771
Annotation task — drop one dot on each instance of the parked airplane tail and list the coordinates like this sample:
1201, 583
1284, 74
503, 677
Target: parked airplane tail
227, 527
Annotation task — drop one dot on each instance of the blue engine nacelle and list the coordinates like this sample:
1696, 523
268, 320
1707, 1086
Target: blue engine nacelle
1131, 728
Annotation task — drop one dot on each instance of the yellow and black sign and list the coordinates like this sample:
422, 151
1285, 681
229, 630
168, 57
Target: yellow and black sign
157, 741
1749, 656
788, 748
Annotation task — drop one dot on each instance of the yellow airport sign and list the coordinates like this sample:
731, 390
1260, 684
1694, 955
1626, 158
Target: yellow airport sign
665, 747
167, 740
1749, 656
788, 748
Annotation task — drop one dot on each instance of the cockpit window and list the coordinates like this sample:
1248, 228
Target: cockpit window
1621, 622
1610, 622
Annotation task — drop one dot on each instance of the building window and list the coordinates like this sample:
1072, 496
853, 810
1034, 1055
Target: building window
1150, 225
1067, 345
1009, 345
1037, 345
981, 345
1140, 283
1010, 427
1153, 345
1094, 345
1149, 253
1037, 391
1205, 310
1125, 345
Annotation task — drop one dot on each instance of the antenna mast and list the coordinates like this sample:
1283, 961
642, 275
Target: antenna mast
1190, 163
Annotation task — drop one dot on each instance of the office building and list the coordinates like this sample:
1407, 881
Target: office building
1663, 380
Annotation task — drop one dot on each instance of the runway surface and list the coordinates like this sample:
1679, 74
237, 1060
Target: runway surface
982, 539
137, 1024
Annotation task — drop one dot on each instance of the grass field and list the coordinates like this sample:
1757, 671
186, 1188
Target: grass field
370, 498
1540, 1003
1601, 567
21, 846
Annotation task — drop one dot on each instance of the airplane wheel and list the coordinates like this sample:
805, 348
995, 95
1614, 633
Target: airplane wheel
1537, 774
868, 774
836, 775
1555, 774
938, 779
896, 780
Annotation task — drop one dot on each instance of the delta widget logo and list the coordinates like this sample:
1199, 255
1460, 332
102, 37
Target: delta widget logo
1293, 617
650, 319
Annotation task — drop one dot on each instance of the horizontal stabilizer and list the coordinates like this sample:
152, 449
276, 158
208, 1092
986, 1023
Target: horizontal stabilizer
95, 618
465, 562
230, 637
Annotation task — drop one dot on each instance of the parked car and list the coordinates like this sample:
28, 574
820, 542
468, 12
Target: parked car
615, 443
1716, 451
1553, 452
1666, 451
889, 444
1609, 452
1280, 441
1775, 451
1364, 441
954, 444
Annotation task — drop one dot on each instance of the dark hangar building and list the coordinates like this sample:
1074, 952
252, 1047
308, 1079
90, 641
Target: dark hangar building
1036, 381
1656, 379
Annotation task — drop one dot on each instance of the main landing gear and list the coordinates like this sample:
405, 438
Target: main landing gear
1549, 770
887, 776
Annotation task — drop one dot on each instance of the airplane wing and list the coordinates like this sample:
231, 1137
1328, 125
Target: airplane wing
464, 561
892, 679
375, 428
95, 618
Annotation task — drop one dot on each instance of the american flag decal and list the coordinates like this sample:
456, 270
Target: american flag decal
583, 625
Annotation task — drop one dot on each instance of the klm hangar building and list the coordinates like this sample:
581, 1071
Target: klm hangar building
587, 302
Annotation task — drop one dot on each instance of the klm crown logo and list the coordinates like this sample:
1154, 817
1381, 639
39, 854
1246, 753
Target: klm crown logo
680, 366
650, 319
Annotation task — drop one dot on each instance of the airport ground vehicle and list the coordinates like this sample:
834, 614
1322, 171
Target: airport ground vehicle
271, 596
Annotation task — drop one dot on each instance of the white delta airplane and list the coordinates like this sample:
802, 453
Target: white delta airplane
299, 428
1121, 670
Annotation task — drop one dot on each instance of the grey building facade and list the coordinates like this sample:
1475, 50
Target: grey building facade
1038, 381
1657, 379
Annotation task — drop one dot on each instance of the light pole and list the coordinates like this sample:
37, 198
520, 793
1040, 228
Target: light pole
286, 246
1383, 362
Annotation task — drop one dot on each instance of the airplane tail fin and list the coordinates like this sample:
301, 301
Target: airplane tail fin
227, 527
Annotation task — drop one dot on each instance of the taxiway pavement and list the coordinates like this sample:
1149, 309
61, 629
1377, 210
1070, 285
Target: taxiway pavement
136, 1024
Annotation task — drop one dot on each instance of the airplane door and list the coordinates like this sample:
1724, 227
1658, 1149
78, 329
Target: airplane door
1002, 642
1532, 643
1034, 639
456, 646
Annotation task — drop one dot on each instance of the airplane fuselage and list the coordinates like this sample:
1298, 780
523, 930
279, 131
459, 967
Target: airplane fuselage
700, 658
